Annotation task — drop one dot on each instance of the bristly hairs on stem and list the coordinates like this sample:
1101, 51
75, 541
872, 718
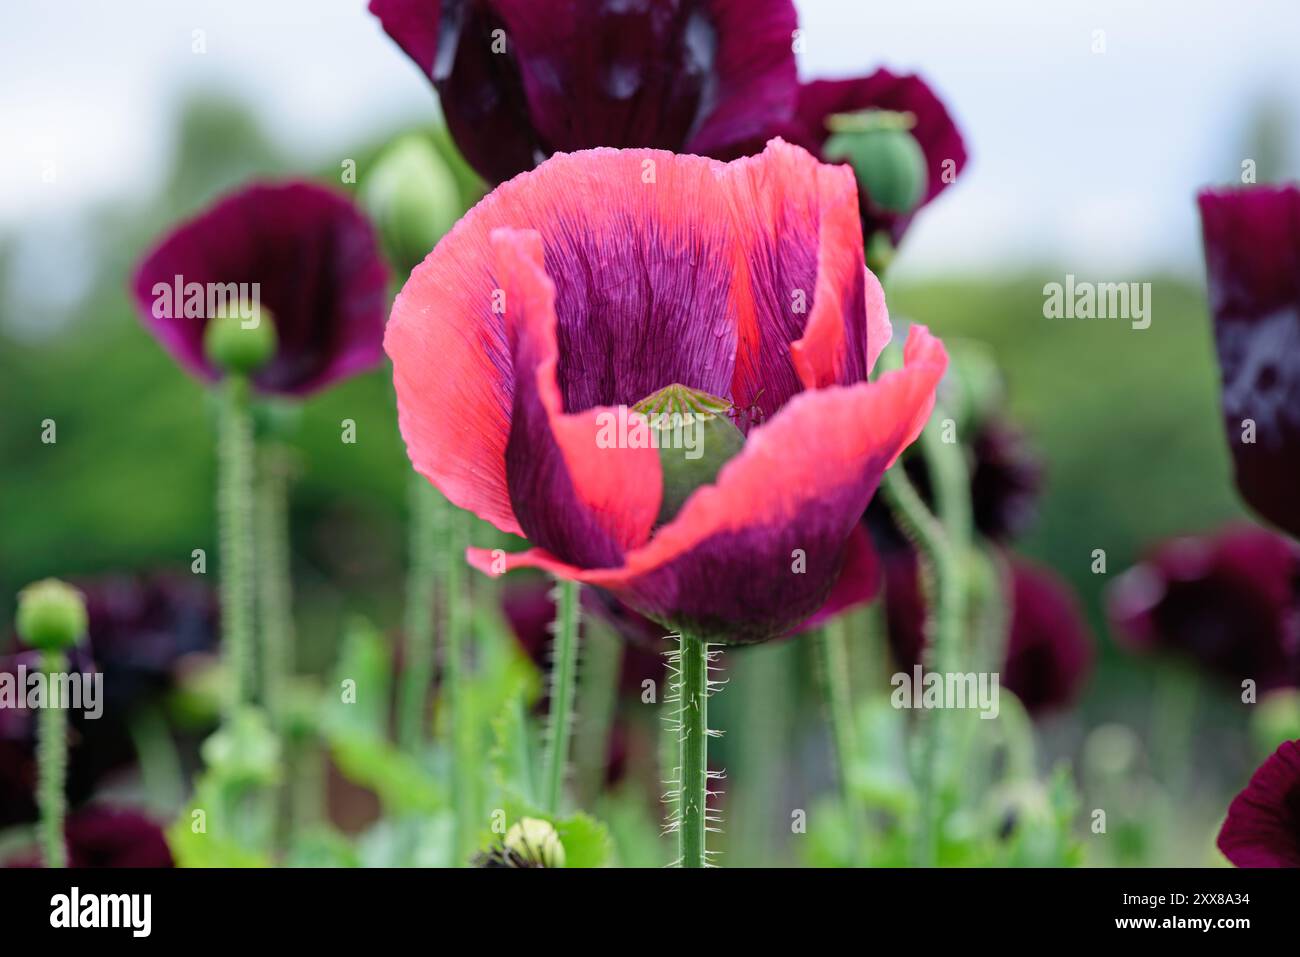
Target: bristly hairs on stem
674, 796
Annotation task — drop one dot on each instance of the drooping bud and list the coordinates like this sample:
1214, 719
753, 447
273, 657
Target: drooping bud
240, 344
887, 161
412, 197
695, 436
51, 615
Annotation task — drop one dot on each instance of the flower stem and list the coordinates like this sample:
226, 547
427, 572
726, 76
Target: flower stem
421, 601
235, 510
275, 594
833, 652
597, 702
448, 574
52, 764
564, 677
693, 772
945, 595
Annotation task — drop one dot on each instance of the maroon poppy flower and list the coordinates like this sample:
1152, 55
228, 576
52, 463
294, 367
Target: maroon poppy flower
1252, 260
1263, 824
522, 79
934, 130
607, 280
309, 257
100, 836
1228, 601
1049, 648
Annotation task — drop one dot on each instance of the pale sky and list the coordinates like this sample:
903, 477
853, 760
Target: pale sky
1082, 159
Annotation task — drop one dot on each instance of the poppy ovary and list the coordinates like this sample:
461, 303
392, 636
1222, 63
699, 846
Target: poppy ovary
241, 344
886, 158
695, 435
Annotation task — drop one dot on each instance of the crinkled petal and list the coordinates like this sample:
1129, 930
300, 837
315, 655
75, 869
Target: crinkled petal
1262, 828
754, 555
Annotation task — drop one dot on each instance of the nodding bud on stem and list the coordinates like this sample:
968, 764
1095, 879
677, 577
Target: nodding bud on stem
51, 615
887, 161
412, 197
241, 344
695, 436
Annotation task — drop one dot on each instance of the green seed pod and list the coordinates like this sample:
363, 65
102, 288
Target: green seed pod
887, 161
695, 437
413, 199
535, 841
51, 615
240, 345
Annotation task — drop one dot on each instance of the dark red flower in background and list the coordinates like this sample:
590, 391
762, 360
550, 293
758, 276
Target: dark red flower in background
317, 267
1263, 824
521, 79
1049, 649
100, 836
1252, 263
605, 278
1228, 602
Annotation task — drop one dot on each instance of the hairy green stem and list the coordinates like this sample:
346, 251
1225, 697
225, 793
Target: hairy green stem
833, 654
421, 602
274, 581
943, 589
235, 512
693, 769
52, 765
564, 678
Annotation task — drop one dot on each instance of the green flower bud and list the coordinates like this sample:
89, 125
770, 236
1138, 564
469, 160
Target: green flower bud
239, 344
886, 158
534, 840
51, 615
413, 199
695, 435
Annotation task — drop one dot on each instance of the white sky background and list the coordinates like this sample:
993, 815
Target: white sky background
1090, 161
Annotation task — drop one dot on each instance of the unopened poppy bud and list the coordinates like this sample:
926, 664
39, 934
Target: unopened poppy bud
536, 841
240, 344
887, 161
695, 435
412, 197
51, 615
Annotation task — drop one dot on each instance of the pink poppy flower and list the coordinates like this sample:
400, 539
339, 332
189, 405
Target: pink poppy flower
599, 280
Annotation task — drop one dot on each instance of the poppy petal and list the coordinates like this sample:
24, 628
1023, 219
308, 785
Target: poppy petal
1252, 257
1262, 828
755, 554
573, 493
801, 280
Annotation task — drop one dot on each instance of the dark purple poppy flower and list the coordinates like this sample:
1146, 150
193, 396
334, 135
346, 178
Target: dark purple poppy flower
522, 79
1263, 824
934, 131
1228, 601
101, 836
1252, 260
1049, 648
141, 630
310, 257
